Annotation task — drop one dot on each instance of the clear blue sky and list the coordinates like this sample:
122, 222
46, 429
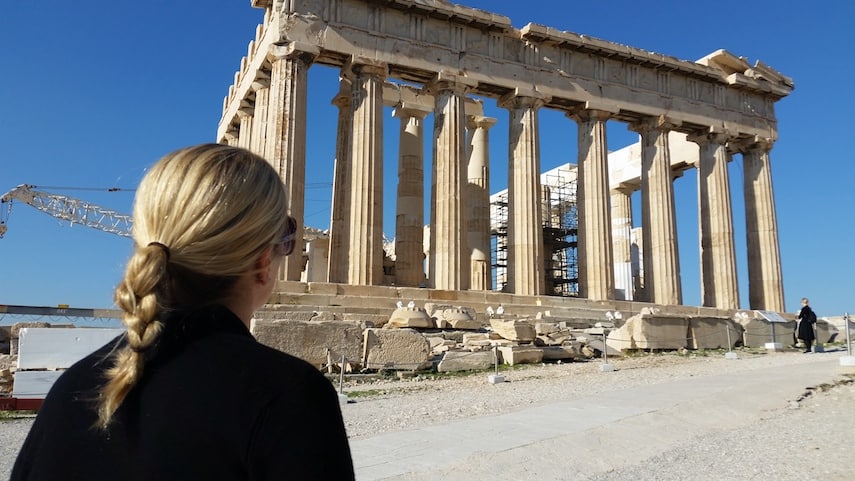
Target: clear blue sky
92, 93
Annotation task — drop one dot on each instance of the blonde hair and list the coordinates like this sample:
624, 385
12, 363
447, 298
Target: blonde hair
202, 217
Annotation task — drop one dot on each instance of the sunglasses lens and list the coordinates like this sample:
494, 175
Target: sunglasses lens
288, 240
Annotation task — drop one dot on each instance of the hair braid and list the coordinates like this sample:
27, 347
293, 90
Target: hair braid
137, 297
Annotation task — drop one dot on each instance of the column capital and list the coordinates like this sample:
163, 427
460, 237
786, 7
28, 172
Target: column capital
710, 136
405, 110
444, 81
584, 114
519, 97
294, 50
659, 122
480, 122
246, 109
752, 144
358, 65
261, 81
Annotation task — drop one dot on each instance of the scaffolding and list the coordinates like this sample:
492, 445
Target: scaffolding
560, 230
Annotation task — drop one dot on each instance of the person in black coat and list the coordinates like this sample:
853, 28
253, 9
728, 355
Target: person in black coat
187, 393
805, 327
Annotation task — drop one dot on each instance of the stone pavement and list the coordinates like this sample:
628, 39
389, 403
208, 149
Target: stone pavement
591, 435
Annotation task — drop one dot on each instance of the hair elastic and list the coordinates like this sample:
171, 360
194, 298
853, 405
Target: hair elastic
158, 244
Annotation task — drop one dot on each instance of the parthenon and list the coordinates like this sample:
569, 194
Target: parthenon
433, 58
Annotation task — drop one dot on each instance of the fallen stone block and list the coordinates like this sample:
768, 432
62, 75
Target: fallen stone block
396, 349
453, 361
410, 318
514, 329
312, 341
513, 355
651, 331
566, 351
711, 333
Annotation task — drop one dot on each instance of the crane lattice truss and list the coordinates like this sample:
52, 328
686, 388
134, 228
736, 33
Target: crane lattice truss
75, 211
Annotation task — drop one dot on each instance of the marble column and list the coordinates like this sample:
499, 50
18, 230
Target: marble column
340, 215
449, 254
245, 113
662, 283
526, 266
365, 239
715, 216
621, 207
261, 88
765, 280
596, 274
410, 209
478, 202
286, 136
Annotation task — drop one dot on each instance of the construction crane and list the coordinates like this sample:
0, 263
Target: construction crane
75, 211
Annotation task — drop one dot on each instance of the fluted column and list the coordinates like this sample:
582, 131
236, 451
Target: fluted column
449, 254
659, 225
286, 136
478, 202
621, 207
340, 215
526, 269
596, 274
765, 280
715, 216
409, 218
245, 113
261, 88
365, 251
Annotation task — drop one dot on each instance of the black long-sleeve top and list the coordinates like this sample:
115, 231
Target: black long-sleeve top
213, 404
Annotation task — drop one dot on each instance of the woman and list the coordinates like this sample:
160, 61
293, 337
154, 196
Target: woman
187, 393
806, 321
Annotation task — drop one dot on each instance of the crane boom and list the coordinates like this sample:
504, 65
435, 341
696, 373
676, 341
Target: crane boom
75, 211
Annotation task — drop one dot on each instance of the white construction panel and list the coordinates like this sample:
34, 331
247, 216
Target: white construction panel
33, 384
58, 348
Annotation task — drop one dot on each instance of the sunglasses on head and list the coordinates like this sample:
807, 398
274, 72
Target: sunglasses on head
288, 239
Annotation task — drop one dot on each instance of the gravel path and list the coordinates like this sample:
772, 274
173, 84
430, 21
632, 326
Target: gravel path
812, 437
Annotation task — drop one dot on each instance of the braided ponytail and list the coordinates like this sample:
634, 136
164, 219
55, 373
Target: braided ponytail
137, 297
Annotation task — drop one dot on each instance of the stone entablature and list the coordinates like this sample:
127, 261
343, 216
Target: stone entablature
719, 92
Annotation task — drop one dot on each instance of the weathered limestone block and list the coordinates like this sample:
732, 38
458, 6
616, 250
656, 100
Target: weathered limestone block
375, 320
397, 349
570, 350
650, 331
758, 331
433, 308
464, 324
514, 329
711, 332
437, 341
554, 338
410, 317
466, 361
310, 340
463, 318
520, 354
543, 328
478, 345
475, 336
324, 316
443, 347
